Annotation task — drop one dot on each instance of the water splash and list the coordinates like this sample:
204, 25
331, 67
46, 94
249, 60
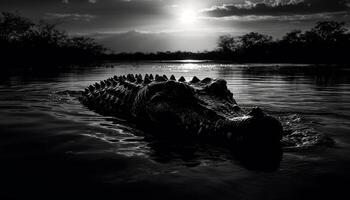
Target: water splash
299, 134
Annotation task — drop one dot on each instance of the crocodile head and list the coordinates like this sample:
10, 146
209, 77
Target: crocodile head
204, 108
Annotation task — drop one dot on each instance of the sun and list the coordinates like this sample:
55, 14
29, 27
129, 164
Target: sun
188, 16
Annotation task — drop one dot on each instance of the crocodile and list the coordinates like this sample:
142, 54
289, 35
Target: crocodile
197, 108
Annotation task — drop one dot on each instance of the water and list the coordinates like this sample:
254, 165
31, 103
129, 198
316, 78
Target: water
53, 147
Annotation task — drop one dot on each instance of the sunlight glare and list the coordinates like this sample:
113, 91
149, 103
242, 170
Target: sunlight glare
188, 16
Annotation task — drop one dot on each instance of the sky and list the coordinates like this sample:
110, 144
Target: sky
172, 25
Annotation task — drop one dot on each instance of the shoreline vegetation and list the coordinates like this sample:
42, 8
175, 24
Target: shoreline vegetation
25, 43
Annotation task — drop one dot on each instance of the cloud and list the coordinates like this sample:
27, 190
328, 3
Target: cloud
69, 16
281, 18
277, 8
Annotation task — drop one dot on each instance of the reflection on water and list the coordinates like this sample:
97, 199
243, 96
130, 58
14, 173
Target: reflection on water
44, 127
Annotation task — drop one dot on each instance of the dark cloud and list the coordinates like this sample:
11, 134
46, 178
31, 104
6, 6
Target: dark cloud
103, 7
69, 16
278, 7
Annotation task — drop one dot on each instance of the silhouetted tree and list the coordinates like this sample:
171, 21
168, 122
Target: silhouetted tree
291, 46
253, 40
251, 46
227, 43
13, 26
293, 37
328, 41
330, 31
255, 46
25, 42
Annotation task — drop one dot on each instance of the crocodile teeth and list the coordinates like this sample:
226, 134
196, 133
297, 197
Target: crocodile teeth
160, 78
86, 91
109, 83
139, 79
131, 78
195, 79
206, 80
146, 80
102, 84
114, 82
182, 79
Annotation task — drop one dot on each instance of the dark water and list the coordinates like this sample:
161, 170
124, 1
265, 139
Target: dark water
51, 147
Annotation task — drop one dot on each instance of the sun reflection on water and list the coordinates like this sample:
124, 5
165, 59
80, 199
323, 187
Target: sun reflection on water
189, 66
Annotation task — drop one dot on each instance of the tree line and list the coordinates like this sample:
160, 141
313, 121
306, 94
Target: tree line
327, 42
24, 42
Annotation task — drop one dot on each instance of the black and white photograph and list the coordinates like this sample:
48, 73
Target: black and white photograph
174, 99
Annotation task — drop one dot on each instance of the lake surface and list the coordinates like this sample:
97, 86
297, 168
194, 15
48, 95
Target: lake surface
52, 147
